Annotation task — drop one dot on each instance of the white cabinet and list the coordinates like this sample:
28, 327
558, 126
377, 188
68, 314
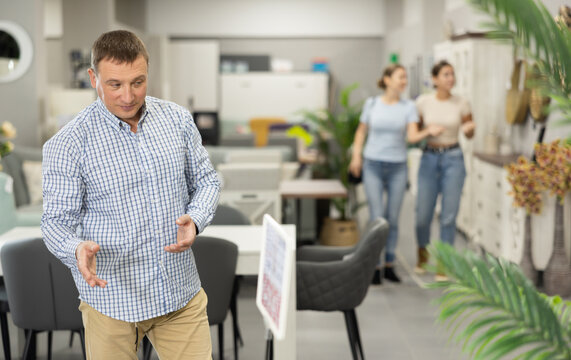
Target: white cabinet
244, 96
498, 226
193, 74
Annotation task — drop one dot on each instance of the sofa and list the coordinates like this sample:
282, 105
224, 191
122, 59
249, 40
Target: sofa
24, 166
21, 188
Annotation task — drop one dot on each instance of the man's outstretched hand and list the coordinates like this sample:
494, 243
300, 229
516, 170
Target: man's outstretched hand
86, 263
185, 235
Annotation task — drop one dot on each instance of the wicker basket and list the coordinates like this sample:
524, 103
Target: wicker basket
517, 101
339, 232
537, 102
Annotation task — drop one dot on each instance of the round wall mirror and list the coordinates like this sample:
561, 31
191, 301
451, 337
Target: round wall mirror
15, 51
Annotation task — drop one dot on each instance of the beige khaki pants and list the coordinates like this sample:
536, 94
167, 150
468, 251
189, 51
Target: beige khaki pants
181, 334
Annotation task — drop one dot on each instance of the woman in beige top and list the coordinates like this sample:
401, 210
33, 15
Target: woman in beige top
442, 165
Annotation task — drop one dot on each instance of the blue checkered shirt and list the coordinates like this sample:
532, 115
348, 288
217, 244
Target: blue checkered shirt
124, 190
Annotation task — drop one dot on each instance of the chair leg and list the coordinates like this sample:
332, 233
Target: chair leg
357, 335
82, 341
29, 336
351, 333
221, 340
5, 336
71, 333
235, 333
234, 311
50, 338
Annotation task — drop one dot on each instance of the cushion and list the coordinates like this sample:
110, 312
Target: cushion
33, 177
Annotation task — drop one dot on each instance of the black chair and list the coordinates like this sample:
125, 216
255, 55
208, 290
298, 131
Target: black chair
227, 215
337, 279
4, 309
216, 261
41, 292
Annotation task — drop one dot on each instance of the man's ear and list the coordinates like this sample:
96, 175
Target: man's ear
92, 77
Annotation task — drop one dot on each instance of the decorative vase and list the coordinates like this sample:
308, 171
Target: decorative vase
526, 263
557, 276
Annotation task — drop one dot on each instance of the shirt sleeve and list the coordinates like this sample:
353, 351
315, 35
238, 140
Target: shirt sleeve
202, 180
412, 113
465, 108
366, 112
63, 191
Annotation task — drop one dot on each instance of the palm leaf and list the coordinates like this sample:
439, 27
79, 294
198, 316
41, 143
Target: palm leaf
500, 311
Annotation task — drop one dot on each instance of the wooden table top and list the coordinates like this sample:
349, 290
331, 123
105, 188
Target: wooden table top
313, 189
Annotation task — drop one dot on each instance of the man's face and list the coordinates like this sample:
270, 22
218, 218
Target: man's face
121, 87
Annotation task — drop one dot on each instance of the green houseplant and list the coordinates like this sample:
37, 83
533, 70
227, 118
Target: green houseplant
334, 132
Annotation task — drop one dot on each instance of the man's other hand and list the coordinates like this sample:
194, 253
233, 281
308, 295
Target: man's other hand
86, 263
185, 235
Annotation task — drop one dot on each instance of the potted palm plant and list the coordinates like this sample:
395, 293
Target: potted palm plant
334, 132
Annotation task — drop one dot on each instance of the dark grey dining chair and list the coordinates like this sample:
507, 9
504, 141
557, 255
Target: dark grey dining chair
337, 279
4, 310
227, 215
216, 261
41, 292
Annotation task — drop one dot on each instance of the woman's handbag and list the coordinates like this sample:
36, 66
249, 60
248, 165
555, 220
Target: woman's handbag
354, 179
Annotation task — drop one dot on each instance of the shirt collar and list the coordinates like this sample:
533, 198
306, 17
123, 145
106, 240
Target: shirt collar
113, 120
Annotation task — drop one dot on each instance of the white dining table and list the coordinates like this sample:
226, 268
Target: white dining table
248, 238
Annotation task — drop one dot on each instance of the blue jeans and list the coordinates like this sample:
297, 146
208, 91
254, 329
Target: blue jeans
439, 173
377, 177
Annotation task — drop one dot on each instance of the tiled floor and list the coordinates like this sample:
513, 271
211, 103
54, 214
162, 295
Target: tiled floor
397, 322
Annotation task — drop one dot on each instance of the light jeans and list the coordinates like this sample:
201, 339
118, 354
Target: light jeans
392, 177
439, 173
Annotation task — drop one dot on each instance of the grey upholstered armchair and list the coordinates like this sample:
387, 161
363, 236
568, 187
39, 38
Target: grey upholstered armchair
337, 279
